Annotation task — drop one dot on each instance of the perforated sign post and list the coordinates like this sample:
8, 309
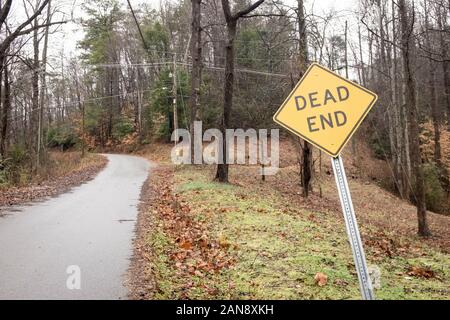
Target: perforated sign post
325, 109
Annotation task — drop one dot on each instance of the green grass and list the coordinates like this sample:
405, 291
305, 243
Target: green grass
279, 251
165, 276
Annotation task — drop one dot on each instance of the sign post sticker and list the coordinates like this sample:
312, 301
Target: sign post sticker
325, 109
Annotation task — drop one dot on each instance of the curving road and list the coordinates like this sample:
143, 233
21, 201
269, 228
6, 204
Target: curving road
79, 239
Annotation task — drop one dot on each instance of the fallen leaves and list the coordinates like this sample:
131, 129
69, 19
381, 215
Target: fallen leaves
340, 283
321, 279
195, 252
383, 245
68, 173
186, 245
223, 242
421, 272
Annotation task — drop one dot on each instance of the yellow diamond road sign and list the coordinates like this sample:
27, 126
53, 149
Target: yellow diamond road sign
325, 109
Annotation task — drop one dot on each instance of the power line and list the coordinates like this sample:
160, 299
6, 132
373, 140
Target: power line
242, 70
145, 65
137, 25
120, 65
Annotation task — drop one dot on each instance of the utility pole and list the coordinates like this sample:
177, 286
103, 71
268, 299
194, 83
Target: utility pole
174, 92
139, 100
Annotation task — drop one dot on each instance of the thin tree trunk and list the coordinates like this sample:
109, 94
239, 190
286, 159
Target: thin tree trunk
43, 90
445, 63
398, 158
432, 88
361, 58
5, 111
307, 155
35, 99
231, 19
196, 53
222, 168
423, 229
81, 107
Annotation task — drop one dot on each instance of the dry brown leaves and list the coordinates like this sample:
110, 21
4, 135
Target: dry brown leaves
421, 272
321, 279
195, 253
381, 245
52, 185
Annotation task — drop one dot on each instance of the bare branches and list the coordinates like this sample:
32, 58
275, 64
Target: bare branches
267, 15
20, 29
4, 11
229, 17
29, 30
247, 10
227, 10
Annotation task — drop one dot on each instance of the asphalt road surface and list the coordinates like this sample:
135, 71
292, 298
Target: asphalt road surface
77, 245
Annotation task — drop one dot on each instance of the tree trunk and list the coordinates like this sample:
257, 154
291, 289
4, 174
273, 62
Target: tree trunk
307, 156
81, 109
231, 19
398, 158
196, 53
40, 142
386, 85
35, 99
432, 87
445, 63
411, 105
5, 111
222, 168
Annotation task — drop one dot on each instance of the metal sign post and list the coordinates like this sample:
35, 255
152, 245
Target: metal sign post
359, 258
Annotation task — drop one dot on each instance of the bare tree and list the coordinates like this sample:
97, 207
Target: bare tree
30, 25
231, 20
407, 44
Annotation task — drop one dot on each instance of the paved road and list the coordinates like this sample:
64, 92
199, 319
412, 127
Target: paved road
90, 228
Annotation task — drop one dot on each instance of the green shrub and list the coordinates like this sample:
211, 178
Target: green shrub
12, 166
18, 155
161, 102
63, 137
434, 191
380, 146
123, 128
3, 177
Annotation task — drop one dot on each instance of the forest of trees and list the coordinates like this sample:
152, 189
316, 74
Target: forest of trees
141, 72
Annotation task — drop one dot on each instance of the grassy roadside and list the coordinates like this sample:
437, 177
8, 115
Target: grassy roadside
210, 240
